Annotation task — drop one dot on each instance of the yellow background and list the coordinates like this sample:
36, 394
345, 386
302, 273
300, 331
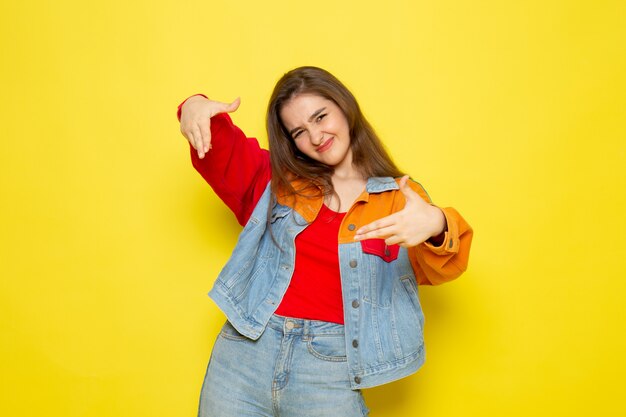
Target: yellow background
512, 112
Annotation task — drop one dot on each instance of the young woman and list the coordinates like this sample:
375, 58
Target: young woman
321, 289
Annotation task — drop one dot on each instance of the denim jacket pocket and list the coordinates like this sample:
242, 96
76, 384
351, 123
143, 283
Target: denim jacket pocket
410, 286
378, 247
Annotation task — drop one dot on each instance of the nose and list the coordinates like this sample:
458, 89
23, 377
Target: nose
317, 137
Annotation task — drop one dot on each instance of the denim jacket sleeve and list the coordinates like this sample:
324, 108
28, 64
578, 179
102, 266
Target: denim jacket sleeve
236, 167
435, 265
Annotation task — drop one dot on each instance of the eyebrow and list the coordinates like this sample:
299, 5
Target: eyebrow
313, 116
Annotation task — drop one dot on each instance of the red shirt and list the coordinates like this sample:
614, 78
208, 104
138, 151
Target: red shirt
315, 289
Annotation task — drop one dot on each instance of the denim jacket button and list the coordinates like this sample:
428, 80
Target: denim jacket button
355, 343
357, 379
355, 303
353, 263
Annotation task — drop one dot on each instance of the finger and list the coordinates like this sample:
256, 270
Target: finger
382, 233
228, 107
377, 224
183, 131
403, 181
234, 105
408, 192
189, 136
204, 128
394, 240
204, 125
187, 131
196, 142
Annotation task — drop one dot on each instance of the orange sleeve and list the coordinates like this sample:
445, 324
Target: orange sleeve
435, 265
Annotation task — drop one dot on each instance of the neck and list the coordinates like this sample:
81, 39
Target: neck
346, 175
348, 184
346, 170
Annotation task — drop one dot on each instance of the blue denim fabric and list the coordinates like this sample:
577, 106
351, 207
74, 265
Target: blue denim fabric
383, 316
297, 368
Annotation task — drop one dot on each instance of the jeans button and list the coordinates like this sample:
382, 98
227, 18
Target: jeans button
355, 303
289, 325
353, 263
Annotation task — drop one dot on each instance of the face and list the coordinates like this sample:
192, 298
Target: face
319, 129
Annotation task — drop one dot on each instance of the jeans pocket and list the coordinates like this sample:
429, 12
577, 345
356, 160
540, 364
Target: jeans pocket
230, 333
328, 347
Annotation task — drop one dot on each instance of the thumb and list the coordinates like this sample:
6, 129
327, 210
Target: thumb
228, 107
406, 190
234, 105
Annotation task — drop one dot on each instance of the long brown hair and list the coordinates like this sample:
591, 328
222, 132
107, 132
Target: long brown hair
288, 163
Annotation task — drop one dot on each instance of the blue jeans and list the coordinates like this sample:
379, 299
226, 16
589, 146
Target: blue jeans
297, 368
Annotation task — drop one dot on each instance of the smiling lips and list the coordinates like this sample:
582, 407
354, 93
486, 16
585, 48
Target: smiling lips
326, 145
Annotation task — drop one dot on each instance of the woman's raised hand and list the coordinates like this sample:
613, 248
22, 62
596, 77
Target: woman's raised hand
417, 222
195, 120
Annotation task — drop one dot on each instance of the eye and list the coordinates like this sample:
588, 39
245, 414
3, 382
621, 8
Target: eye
320, 117
295, 135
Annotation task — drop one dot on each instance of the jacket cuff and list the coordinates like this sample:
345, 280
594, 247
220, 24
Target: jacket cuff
451, 240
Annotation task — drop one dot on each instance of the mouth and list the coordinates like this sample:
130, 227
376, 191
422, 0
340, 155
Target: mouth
326, 145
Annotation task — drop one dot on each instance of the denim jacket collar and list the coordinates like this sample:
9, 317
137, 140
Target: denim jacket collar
377, 185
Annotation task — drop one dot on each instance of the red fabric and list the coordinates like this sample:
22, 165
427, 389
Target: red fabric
379, 248
235, 167
238, 170
315, 289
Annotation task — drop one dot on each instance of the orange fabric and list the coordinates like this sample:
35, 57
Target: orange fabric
431, 265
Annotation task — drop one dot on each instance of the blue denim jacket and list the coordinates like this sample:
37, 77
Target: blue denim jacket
382, 312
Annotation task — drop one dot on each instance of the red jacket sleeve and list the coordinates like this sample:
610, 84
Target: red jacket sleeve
235, 167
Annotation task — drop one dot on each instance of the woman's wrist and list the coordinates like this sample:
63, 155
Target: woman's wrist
440, 227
